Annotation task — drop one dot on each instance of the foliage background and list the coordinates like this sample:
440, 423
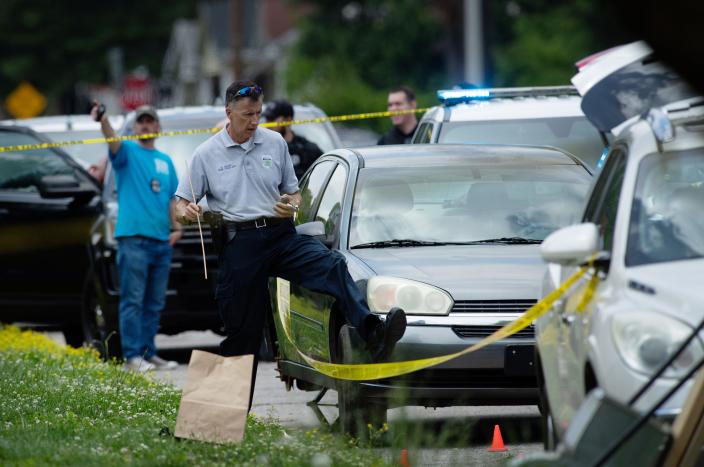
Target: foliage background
54, 45
350, 53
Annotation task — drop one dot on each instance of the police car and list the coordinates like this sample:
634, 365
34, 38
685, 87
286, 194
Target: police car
540, 116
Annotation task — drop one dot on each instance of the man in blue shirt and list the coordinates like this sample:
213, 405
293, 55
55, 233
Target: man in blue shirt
146, 182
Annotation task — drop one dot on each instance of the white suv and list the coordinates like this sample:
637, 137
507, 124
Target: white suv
537, 116
645, 220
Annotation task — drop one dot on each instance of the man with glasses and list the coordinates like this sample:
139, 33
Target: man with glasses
247, 176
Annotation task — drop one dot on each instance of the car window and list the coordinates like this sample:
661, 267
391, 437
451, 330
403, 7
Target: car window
311, 189
317, 133
179, 148
574, 134
465, 203
85, 153
424, 134
23, 170
667, 216
331, 202
603, 206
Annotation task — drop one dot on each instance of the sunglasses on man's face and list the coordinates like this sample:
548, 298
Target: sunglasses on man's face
248, 91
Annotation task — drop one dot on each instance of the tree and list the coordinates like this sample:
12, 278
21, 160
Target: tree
54, 45
350, 53
537, 42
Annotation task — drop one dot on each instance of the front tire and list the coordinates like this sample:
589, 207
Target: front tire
355, 410
547, 422
100, 330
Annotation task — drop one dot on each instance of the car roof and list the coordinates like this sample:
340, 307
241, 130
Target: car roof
62, 123
508, 109
431, 155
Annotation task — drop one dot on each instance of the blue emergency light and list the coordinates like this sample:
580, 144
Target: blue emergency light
456, 96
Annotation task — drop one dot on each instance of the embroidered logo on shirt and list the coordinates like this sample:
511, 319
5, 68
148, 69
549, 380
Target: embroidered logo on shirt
225, 167
161, 167
266, 161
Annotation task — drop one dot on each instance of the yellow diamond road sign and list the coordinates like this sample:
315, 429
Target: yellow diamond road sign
25, 101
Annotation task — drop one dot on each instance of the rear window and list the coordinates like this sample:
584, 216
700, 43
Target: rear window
574, 134
632, 90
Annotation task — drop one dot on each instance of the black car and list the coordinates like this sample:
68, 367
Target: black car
48, 206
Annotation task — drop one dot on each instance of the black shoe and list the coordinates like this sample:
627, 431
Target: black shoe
383, 338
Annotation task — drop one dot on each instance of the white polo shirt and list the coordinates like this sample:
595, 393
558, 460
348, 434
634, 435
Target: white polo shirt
241, 181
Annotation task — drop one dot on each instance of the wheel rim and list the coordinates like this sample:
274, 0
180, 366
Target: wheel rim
95, 325
550, 435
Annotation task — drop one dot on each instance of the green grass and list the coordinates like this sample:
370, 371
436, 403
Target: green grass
63, 406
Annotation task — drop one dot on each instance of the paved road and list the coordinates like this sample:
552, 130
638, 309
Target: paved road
466, 430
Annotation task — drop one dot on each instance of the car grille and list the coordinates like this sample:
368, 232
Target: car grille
188, 247
471, 378
483, 331
187, 268
492, 306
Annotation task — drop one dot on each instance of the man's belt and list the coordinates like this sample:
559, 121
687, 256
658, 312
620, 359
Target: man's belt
256, 223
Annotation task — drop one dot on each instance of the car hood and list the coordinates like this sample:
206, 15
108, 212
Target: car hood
467, 272
676, 286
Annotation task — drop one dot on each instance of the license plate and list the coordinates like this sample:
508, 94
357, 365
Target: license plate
518, 360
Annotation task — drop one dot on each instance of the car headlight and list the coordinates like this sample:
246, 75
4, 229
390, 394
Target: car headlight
645, 340
416, 298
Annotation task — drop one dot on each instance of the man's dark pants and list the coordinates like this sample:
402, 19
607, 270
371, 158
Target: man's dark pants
252, 256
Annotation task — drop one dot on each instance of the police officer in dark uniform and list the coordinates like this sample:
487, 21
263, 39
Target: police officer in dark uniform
247, 176
303, 152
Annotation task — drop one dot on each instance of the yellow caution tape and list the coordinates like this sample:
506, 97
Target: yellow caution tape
588, 292
337, 118
374, 371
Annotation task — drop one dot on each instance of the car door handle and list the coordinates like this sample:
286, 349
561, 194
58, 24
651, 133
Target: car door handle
567, 319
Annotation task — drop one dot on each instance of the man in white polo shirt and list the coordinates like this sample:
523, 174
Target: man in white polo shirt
247, 175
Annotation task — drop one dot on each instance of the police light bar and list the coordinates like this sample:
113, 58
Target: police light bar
456, 96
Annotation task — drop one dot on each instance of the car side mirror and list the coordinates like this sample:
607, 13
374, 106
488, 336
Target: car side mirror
571, 245
65, 186
314, 229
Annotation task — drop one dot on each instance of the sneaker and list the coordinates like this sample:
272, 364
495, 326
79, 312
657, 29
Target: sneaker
383, 338
162, 364
138, 364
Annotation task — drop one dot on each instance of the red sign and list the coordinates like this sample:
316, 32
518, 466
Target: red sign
136, 91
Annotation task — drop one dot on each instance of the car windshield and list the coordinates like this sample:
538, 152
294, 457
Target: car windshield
22, 170
318, 133
179, 147
667, 217
572, 134
466, 203
87, 154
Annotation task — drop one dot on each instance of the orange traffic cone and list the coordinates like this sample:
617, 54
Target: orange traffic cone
497, 444
404, 458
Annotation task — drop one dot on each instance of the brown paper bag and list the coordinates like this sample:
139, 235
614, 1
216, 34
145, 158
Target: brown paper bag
216, 398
